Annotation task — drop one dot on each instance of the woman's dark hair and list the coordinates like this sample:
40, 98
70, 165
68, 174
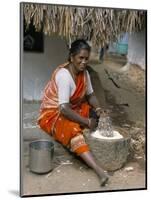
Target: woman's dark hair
77, 45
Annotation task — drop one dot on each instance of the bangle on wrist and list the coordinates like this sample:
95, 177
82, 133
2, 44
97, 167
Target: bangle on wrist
89, 121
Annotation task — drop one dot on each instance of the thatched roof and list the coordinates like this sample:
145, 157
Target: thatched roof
99, 25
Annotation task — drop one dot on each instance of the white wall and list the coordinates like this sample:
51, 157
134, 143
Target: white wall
38, 67
136, 49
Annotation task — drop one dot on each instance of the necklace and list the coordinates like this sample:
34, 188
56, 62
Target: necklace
72, 73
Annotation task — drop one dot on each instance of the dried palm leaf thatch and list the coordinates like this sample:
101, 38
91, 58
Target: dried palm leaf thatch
98, 25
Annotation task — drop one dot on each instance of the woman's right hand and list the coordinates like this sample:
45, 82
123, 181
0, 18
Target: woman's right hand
92, 123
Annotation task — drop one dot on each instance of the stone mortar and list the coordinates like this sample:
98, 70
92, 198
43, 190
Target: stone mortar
110, 153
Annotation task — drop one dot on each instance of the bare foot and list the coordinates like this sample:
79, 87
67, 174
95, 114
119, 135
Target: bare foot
104, 181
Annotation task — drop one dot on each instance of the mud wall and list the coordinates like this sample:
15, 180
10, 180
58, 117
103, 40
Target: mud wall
37, 67
136, 49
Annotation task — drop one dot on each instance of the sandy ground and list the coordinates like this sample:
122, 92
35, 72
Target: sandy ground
71, 175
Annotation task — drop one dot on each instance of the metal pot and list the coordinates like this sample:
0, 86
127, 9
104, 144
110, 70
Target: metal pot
41, 156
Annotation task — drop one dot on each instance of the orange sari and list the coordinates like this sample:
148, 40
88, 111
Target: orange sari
65, 131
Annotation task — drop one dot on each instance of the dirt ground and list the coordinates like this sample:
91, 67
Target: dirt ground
125, 97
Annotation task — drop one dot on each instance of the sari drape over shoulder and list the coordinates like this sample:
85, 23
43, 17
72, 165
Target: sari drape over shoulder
65, 131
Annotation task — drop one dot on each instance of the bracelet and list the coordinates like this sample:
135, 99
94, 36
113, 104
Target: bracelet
89, 121
98, 108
